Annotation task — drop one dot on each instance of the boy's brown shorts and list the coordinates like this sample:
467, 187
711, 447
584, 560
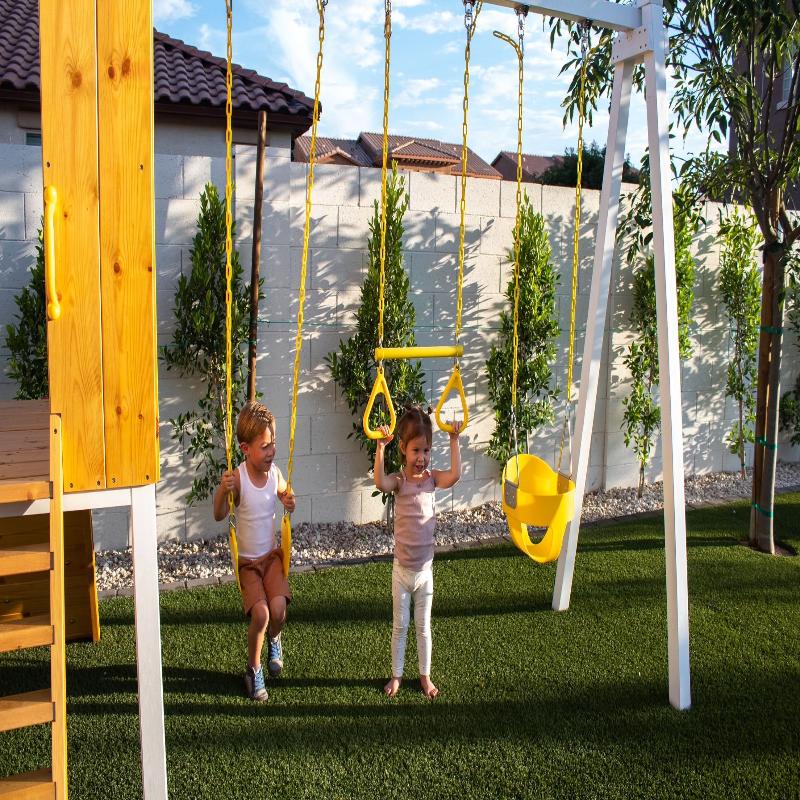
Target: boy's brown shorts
262, 579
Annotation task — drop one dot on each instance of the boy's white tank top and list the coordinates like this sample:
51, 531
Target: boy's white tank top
255, 514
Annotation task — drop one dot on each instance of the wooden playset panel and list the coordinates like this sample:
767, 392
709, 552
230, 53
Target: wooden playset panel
26, 596
69, 164
127, 248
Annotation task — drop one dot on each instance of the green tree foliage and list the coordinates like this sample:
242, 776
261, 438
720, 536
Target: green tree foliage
27, 340
198, 344
537, 331
642, 416
565, 171
736, 71
354, 367
740, 286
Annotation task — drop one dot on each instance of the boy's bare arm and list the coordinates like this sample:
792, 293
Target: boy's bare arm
383, 482
444, 479
228, 483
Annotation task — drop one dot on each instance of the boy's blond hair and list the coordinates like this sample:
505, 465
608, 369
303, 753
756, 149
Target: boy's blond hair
254, 419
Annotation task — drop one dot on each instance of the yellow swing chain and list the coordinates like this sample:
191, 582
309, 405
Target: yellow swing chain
298, 343
387, 36
471, 11
519, 49
576, 238
228, 247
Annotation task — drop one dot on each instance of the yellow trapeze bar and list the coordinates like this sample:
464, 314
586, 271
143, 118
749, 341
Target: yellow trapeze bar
443, 351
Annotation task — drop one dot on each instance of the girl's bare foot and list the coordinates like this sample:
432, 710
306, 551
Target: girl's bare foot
392, 687
428, 689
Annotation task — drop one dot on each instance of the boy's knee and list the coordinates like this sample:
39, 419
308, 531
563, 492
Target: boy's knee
277, 608
259, 614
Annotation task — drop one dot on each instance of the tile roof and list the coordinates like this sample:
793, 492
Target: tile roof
184, 75
532, 166
409, 151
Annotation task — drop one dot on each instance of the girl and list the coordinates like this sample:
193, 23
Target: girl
414, 523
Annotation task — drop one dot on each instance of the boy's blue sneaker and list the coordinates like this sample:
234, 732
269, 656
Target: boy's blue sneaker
254, 681
275, 663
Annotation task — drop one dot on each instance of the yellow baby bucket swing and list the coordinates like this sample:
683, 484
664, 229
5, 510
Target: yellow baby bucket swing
534, 494
286, 522
381, 388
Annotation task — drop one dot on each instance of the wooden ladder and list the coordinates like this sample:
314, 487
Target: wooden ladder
31, 469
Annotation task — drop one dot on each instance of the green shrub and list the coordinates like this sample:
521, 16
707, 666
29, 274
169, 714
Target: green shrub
198, 345
537, 333
27, 340
353, 367
740, 286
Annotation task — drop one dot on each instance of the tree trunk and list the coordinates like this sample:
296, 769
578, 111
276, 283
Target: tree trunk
768, 282
775, 257
254, 271
740, 444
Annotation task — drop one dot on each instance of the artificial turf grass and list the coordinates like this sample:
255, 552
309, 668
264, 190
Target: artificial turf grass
533, 704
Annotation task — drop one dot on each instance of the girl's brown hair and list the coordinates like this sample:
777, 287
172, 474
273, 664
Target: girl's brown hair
415, 422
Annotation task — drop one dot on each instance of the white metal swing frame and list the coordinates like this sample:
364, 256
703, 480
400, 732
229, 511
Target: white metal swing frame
642, 37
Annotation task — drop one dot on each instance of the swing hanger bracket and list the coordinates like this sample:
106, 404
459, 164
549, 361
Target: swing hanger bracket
634, 45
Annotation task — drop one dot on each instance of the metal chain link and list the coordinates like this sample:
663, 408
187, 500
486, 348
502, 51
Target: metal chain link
298, 344
387, 35
472, 8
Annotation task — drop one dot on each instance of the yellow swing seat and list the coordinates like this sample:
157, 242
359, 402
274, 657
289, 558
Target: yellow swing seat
544, 498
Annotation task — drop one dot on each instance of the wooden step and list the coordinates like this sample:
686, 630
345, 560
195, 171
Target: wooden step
32, 631
28, 786
22, 710
20, 491
24, 558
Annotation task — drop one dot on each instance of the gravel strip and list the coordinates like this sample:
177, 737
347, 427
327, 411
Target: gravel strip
201, 562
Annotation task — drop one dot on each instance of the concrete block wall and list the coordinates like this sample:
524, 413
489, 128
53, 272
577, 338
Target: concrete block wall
331, 474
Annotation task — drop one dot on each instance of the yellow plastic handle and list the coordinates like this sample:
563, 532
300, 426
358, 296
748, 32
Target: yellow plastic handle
50, 200
434, 351
453, 384
380, 387
286, 543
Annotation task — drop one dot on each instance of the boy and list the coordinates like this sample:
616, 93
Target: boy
256, 485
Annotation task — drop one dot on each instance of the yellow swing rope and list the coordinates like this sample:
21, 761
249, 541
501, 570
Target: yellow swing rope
228, 278
286, 529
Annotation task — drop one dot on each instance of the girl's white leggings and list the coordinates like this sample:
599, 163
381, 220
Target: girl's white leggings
408, 584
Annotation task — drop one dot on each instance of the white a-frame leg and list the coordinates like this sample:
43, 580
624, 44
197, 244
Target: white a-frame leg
646, 43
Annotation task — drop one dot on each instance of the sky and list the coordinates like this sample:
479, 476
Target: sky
278, 39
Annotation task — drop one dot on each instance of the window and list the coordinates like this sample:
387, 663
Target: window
33, 138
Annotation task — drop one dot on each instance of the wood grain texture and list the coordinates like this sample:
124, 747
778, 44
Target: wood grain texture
22, 710
69, 163
125, 102
28, 786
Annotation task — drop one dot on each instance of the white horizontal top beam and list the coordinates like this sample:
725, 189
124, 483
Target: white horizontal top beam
601, 12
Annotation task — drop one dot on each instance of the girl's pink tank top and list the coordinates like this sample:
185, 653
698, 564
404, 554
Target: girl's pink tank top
414, 522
